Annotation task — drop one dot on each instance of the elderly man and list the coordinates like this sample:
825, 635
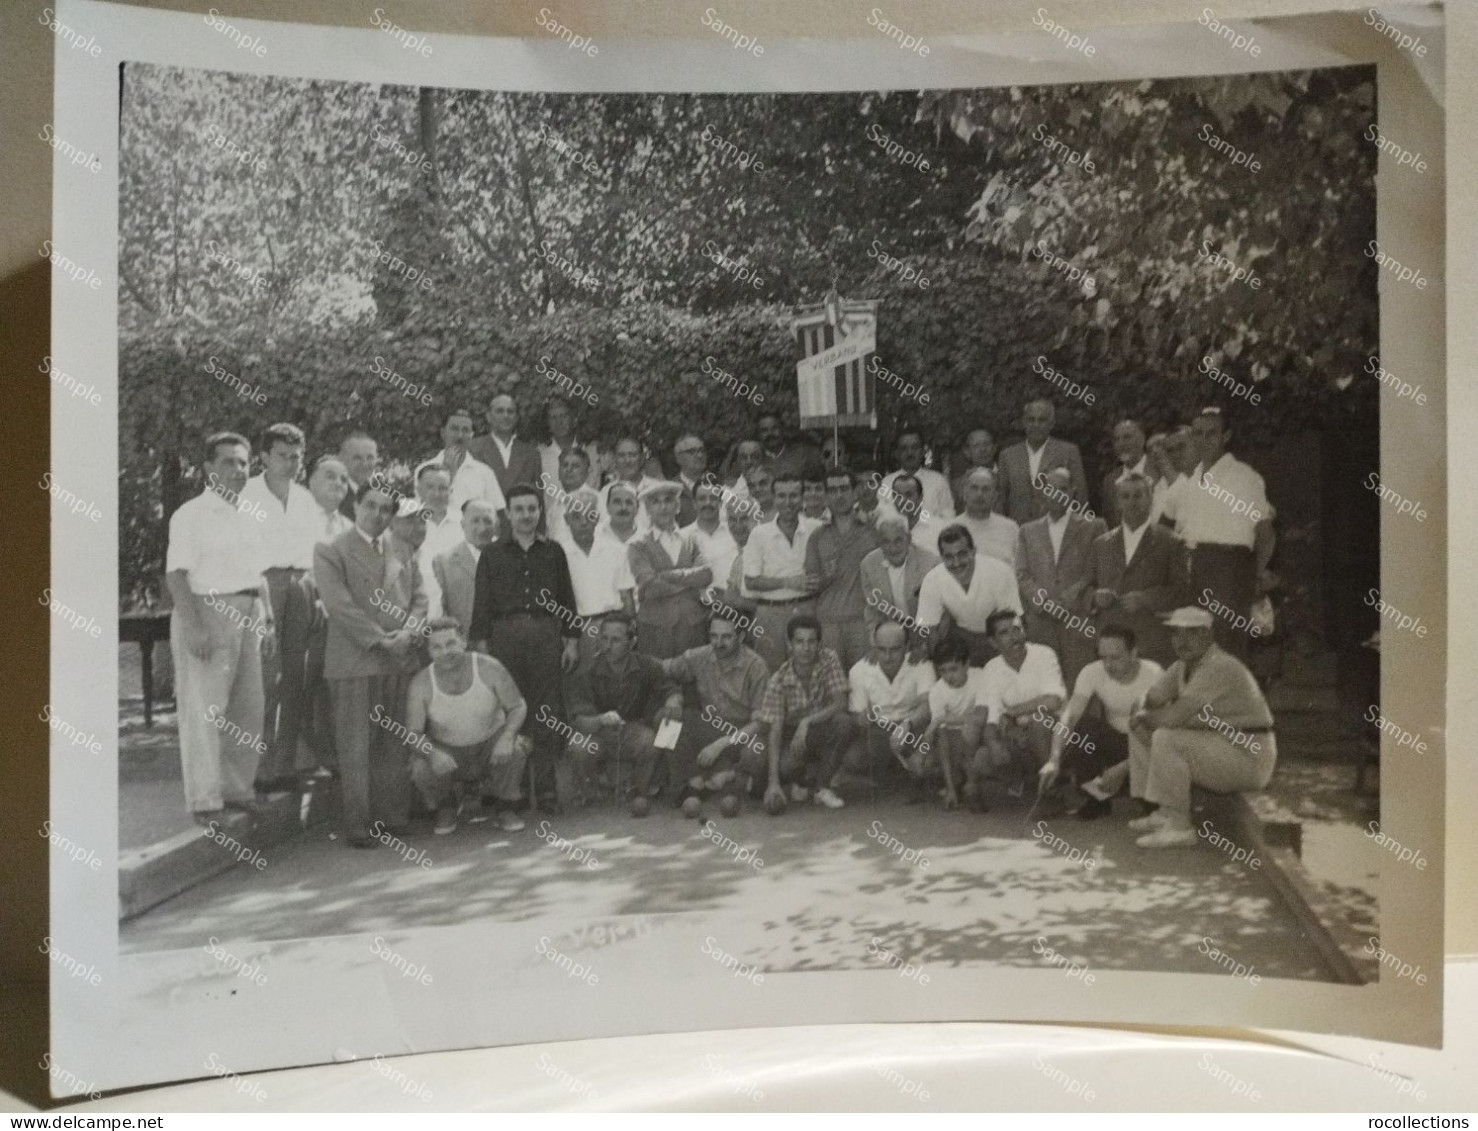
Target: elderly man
834, 553
597, 562
667, 574
513, 459
1206, 723
888, 698
775, 572
376, 613
1039, 453
1130, 459
1138, 572
691, 454
360, 456
979, 451
1054, 571
994, 534
1223, 515
617, 698
560, 422
468, 477
908, 451
748, 455
463, 716
961, 594
805, 709
892, 575
1023, 691
524, 615
722, 735
221, 623
630, 472
455, 570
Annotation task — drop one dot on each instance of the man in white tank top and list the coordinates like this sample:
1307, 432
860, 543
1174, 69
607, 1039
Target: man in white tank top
1098, 753
464, 713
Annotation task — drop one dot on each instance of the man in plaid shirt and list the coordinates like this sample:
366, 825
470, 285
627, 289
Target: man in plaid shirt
805, 708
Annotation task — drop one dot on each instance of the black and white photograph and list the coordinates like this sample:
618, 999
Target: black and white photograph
597, 545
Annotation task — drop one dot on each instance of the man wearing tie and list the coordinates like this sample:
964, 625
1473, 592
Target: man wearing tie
692, 461
360, 456
1138, 573
1053, 569
455, 570
328, 483
669, 574
512, 459
1129, 451
1039, 453
376, 610
892, 575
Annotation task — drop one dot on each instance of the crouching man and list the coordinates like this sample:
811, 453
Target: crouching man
464, 713
805, 709
1023, 692
1206, 723
617, 698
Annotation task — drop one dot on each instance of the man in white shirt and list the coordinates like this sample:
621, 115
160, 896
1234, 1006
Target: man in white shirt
560, 419
1019, 464
443, 526
630, 470
908, 450
470, 478
714, 540
906, 498
289, 528
560, 485
597, 562
221, 624
1183, 454
994, 533
967, 588
328, 483
455, 570
889, 703
1223, 516
775, 572
691, 454
979, 451
1023, 692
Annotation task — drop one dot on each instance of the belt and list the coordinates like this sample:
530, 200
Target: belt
1220, 547
285, 569
781, 600
241, 593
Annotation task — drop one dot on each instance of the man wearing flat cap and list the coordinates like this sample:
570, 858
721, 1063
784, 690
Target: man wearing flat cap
1206, 723
669, 573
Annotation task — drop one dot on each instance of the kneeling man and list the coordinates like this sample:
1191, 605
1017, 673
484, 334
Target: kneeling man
805, 709
464, 713
1206, 723
1023, 691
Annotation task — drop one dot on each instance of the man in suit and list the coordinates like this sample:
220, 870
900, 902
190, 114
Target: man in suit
1129, 445
1054, 564
512, 459
669, 574
455, 570
692, 461
892, 574
1038, 454
360, 456
1139, 572
376, 616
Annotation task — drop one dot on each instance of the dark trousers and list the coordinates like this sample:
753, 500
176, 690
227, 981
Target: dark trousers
698, 732
1100, 747
316, 719
1230, 573
826, 745
530, 648
374, 764
284, 676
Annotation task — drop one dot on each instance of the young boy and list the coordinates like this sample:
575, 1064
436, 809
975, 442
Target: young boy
954, 726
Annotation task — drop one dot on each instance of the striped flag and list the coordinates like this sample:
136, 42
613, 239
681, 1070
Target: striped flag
835, 340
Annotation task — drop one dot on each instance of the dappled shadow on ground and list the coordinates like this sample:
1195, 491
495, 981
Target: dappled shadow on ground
829, 885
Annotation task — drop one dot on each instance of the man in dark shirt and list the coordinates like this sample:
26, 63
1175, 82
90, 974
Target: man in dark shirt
616, 699
523, 605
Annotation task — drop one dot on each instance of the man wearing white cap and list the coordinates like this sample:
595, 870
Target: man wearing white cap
1206, 723
668, 573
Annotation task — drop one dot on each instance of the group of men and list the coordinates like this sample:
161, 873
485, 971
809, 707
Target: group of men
513, 624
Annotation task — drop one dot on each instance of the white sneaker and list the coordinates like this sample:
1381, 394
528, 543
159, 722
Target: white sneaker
829, 799
1147, 824
799, 794
1166, 837
509, 821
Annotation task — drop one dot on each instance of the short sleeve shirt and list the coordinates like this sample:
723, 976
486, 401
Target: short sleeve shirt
992, 589
769, 553
896, 698
951, 706
1039, 675
1118, 699
1222, 504
787, 697
219, 545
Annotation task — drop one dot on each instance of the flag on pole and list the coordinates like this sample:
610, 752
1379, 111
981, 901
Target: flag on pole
835, 341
